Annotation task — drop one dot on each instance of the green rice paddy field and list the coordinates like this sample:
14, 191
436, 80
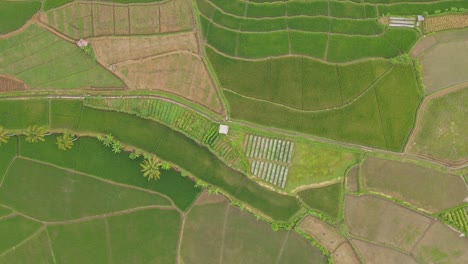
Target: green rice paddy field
83, 197
16, 13
164, 142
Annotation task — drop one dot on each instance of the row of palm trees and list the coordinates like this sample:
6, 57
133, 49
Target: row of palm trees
150, 166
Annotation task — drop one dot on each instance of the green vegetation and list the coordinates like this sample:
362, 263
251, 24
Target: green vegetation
69, 195
15, 229
16, 13
457, 218
21, 113
114, 167
43, 61
35, 134
196, 126
326, 200
65, 141
36, 248
50, 4
313, 163
155, 232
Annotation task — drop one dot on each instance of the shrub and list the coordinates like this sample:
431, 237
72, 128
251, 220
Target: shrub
437, 12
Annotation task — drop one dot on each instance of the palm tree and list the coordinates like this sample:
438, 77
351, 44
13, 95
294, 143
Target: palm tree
116, 147
35, 134
150, 168
108, 140
135, 154
65, 141
3, 136
165, 165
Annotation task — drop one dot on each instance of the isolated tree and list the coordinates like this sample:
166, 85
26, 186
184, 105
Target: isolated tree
35, 133
116, 147
3, 136
150, 168
165, 165
65, 141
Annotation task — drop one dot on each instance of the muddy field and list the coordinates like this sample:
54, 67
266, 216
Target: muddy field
375, 219
87, 19
8, 84
352, 180
371, 253
422, 187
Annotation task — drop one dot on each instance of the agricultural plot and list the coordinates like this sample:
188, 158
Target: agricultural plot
442, 244
443, 63
181, 74
237, 237
16, 13
81, 19
190, 123
352, 180
371, 253
350, 31
317, 163
44, 61
326, 200
8, 84
345, 254
378, 118
325, 234
384, 222
269, 158
420, 186
441, 130
457, 218
445, 22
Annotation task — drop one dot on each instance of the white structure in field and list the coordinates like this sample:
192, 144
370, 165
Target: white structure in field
223, 129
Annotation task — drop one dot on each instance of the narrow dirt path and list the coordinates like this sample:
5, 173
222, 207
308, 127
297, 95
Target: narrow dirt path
7, 170
283, 245
49, 242
24, 241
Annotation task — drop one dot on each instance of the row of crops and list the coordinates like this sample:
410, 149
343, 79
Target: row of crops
273, 173
457, 218
190, 123
269, 158
269, 149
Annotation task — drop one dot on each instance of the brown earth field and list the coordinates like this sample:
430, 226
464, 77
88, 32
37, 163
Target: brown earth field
444, 62
371, 253
325, 234
425, 188
84, 19
345, 254
441, 244
352, 180
112, 50
10, 84
221, 233
208, 198
445, 22
183, 74
387, 223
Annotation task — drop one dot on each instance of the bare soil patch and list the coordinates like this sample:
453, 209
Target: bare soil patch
325, 234
85, 19
352, 179
423, 187
439, 23
182, 74
9, 84
441, 244
371, 253
422, 45
208, 198
114, 50
375, 219
176, 15
345, 254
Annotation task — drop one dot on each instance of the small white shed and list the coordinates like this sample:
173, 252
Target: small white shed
223, 129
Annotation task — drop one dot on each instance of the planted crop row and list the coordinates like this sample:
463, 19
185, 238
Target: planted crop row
457, 218
197, 127
273, 173
269, 149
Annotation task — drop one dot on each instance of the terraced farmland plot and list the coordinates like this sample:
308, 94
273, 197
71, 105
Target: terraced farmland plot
269, 158
82, 19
